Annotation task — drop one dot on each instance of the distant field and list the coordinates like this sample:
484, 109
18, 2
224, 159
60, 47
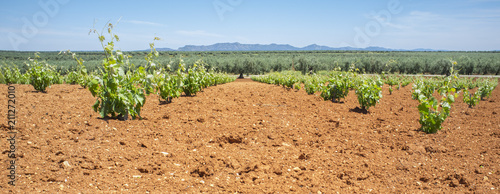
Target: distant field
260, 62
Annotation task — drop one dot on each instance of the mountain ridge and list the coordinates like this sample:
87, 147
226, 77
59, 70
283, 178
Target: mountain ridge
236, 46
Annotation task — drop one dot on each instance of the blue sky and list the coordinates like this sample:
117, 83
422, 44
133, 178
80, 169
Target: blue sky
54, 25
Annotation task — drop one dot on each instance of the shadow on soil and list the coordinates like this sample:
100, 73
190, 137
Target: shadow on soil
118, 118
163, 102
359, 110
38, 92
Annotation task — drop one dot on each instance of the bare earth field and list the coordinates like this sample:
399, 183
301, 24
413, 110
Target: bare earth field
249, 137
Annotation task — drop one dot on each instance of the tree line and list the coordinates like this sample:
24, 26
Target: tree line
261, 62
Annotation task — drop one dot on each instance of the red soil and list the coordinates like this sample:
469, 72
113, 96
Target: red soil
249, 137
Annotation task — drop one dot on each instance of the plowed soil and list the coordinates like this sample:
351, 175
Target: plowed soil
249, 137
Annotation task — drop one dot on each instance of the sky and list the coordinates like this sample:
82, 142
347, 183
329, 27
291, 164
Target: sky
55, 25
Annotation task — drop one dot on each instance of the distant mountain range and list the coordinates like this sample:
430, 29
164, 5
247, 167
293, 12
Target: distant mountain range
277, 47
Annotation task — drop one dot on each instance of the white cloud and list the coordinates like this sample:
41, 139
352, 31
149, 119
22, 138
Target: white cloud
198, 33
139, 22
422, 14
8, 30
423, 22
472, 30
397, 26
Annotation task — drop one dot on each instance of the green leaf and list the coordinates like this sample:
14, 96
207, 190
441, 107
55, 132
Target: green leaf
140, 99
96, 105
451, 99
